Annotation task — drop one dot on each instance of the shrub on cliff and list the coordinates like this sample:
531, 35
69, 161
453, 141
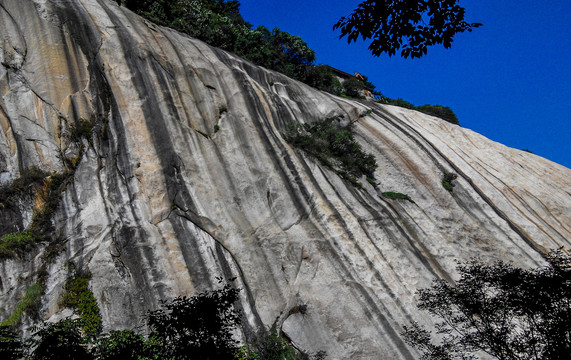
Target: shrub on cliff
16, 243
440, 111
78, 296
333, 145
220, 24
443, 112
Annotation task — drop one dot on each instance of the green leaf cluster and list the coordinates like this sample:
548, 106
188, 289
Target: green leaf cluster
198, 327
447, 179
29, 180
501, 310
219, 23
398, 196
443, 112
46, 190
125, 345
409, 26
82, 129
11, 346
16, 243
333, 145
79, 297
440, 111
62, 340
30, 304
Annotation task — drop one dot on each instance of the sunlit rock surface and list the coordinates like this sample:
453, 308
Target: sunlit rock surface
162, 204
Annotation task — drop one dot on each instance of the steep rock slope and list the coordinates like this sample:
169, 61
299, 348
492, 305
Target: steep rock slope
160, 204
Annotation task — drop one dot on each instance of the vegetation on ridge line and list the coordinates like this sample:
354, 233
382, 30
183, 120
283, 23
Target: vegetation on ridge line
440, 111
220, 24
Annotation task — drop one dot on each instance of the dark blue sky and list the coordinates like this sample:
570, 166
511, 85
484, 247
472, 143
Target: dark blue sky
509, 80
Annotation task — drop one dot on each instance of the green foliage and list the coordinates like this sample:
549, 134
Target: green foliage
47, 191
246, 352
62, 340
398, 196
79, 297
16, 243
29, 178
82, 129
440, 111
334, 146
30, 304
397, 102
216, 128
273, 346
124, 345
11, 346
366, 113
220, 24
443, 112
409, 26
298, 309
353, 88
447, 179
199, 327
49, 199
502, 310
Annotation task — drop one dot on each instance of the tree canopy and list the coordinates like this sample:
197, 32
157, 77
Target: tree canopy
410, 26
501, 310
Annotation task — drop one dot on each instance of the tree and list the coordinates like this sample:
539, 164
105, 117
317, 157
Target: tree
353, 87
199, 327
443, 112
502, 310
61, 340
407, 25
10, 344
322, 77
124, 345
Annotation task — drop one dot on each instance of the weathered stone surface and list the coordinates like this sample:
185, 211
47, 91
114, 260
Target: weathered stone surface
161, 204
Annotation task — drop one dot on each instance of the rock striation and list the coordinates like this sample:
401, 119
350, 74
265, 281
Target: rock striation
186, 177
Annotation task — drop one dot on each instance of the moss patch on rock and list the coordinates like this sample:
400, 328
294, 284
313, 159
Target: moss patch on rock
30, 305
397, 196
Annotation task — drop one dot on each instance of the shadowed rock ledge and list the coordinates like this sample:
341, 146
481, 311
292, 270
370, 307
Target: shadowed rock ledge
161, 204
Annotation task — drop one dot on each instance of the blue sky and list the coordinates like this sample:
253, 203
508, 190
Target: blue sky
509, 80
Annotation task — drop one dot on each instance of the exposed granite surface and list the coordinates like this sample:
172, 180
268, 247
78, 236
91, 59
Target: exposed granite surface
161, 204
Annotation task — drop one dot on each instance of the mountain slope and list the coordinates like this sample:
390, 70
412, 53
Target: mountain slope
160, 204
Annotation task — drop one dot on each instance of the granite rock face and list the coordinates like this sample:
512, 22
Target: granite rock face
161, 204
